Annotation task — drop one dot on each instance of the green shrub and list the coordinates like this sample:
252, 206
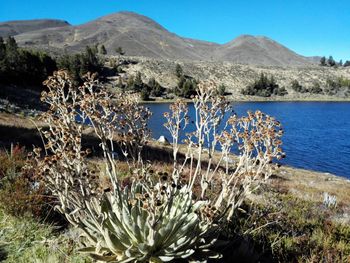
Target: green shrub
297, 87
264, 87
222, 90
333, 86
155, 88
145, 94
186, 87
316, 88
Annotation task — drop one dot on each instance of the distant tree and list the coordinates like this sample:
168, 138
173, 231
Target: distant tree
2, 49
103, 50
331, 61
347, 63
264, 87
12, 54
281, 91
79, 64
323, 61
335, 85
181, 82
130, 83
340, 63
316, 88
178, 71
120, 84
155, 88
222, 90
138, 83
119, 51
145, 93
186, 87
297, 87
189, 88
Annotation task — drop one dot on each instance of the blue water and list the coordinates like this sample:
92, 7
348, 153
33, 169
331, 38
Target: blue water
317, 134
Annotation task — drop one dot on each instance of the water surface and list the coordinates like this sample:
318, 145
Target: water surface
317, 134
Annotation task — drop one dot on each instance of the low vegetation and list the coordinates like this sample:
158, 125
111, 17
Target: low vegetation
264, 87
332, 87
290, 229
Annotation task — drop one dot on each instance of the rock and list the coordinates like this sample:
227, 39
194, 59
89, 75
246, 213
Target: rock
228, 160
162, 139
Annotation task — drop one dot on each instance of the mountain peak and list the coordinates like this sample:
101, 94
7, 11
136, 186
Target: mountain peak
128, 19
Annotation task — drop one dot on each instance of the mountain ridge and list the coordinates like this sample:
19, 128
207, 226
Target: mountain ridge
15, 27
139, 35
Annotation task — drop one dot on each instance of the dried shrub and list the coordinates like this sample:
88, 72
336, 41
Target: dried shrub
11, 162
289, 229
223, 181
151, 217
21, 192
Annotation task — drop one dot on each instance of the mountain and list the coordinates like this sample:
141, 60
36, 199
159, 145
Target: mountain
13, 28
259, 50
141, 36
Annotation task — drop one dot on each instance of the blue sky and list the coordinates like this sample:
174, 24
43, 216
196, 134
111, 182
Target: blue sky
309, 27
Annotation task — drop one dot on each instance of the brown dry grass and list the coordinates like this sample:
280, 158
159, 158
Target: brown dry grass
311, 185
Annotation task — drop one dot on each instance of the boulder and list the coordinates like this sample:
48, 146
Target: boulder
163, 140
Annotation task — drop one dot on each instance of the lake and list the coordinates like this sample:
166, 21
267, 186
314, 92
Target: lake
317, 134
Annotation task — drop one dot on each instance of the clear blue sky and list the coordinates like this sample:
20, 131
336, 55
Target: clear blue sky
309, 27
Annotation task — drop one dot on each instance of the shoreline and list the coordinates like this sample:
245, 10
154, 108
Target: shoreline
346, 100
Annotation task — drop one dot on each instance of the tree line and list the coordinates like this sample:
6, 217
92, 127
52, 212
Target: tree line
25, 67
136, 84
21, 66
330, 62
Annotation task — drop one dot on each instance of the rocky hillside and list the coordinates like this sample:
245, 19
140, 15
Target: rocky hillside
258, 51
237, 76
141, 36
13, 28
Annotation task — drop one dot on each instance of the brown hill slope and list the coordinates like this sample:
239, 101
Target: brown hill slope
13, 28
260, 51
136, 34
141, 36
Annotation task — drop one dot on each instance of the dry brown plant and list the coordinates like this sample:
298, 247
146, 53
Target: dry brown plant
154, 217
223, 180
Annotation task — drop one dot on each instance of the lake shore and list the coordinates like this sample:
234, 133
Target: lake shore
256, 99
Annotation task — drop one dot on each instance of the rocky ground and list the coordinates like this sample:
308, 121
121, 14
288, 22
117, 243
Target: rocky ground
236, 76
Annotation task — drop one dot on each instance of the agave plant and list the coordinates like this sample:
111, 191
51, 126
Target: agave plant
133, 225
